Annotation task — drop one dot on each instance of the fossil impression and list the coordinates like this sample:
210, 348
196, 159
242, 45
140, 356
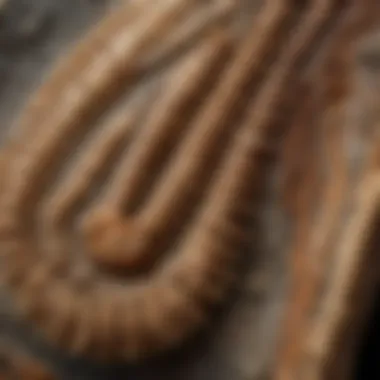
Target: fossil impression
331, 157
130, 178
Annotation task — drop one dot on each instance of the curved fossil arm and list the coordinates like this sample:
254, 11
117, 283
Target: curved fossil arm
91, 48
186, 172
334, 221
173, 197
81, 100
113, 38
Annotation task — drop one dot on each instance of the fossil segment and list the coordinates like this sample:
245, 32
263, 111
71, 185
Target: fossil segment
336, 207
121, 226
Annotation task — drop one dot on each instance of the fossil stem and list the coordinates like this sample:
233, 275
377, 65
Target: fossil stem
43, 102
108, 75
192, 29
116, 241
242, 161
218, 156
199, 269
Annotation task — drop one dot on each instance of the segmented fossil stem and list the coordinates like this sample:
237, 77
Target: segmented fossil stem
188, 165
93, 45
301, 163
209, 129
80, 105
298, 158
204, 183
120, 23
193, 29
241, 162
296, 362
315, 19
312, 283
185, 86
337, 307
97, 155
196, 71
200, 248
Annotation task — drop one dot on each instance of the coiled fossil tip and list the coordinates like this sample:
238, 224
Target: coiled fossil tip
114, 242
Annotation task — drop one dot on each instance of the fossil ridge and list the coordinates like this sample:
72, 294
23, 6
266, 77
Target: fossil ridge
131, 177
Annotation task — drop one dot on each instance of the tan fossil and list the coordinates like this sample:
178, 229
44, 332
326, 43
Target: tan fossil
333, 192
122, 225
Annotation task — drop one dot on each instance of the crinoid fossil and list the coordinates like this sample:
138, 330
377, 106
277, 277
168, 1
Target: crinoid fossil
128, 182
334, 195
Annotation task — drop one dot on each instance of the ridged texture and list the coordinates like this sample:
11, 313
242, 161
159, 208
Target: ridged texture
332, 192
121, 226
